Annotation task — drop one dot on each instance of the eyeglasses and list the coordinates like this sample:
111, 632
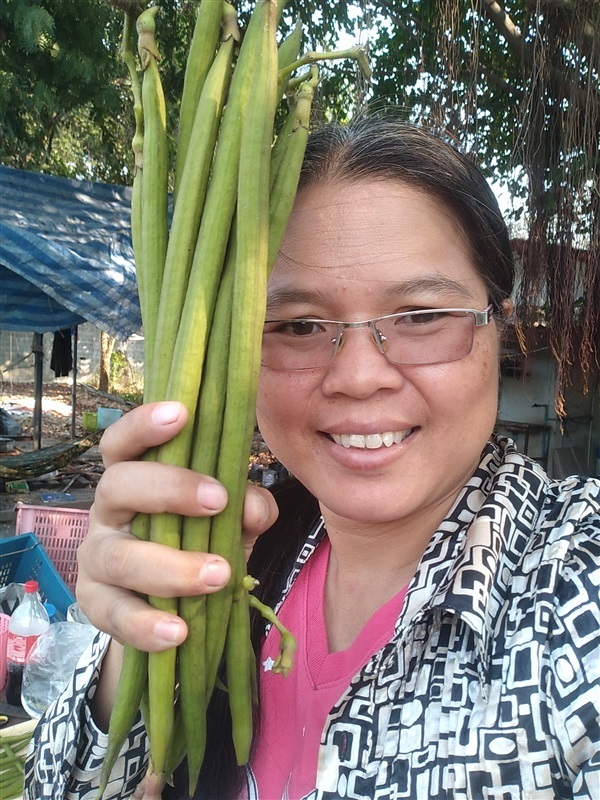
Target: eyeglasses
410, 338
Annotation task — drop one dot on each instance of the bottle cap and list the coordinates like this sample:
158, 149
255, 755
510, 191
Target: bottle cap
50, 608
31, 587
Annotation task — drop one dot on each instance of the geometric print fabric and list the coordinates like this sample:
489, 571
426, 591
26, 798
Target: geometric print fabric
489, 688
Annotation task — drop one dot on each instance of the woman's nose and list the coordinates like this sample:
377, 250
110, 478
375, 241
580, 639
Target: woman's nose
359, 367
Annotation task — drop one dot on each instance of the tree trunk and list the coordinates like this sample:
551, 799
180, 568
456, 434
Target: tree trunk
106, 347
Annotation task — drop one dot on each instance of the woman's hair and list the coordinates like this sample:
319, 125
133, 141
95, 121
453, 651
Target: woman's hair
368, 149
389, 149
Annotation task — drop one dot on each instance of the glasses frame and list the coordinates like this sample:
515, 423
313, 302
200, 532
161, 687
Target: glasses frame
481, 318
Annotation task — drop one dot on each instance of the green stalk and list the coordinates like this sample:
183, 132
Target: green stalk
187, 360
154, 211
194, 693
196, 295
287, 643
286, 163
127, 702
154, 192
238, 659
249, 302
201, 53
283, 135
134, 667
356, 53
287, 54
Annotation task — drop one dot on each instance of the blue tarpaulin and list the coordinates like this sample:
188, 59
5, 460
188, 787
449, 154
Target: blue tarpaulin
65, 255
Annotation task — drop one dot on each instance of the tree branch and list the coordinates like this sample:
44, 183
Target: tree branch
131, 7
563, 86
508, 30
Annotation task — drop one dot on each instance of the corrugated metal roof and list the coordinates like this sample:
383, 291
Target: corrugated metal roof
65, 255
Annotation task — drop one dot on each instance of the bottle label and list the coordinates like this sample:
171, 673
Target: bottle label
18, 647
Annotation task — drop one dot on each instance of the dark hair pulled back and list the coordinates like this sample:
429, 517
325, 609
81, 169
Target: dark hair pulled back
389, 149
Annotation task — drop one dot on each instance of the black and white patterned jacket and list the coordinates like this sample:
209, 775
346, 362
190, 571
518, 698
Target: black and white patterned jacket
489, 689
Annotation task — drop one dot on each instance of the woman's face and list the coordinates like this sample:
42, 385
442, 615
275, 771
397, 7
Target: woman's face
353, 252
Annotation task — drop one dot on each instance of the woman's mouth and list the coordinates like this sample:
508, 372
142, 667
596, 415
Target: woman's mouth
371, 441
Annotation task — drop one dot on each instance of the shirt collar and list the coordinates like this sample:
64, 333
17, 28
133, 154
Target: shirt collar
481, 529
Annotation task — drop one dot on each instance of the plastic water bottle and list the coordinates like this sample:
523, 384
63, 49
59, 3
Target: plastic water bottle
27, 623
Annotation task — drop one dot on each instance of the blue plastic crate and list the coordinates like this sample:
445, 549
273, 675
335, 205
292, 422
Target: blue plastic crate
23, 558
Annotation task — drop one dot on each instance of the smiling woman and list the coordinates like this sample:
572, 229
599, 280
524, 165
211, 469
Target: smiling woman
437, 580
350, 274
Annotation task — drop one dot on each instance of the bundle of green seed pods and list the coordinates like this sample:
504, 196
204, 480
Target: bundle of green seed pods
202, 275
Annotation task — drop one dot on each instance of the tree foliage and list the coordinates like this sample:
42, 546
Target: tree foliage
516, 84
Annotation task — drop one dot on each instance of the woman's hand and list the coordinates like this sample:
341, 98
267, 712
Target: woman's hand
115, 567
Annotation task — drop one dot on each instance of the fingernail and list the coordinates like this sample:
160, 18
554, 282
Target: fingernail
212, 495
166, 413
167, 630
214, 573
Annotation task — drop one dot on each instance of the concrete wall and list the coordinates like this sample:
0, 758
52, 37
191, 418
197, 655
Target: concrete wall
530, 398
16, 357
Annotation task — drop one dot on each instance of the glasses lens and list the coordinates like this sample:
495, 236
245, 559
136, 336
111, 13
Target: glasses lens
422, 337
428, 337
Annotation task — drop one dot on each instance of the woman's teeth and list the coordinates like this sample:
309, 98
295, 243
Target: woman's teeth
371, 441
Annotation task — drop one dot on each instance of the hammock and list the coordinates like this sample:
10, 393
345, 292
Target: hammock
48, 459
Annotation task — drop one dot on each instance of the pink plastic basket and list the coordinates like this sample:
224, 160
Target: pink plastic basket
60, 530
4, 618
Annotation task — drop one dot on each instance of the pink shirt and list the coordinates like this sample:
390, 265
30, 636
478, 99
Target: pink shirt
294, 709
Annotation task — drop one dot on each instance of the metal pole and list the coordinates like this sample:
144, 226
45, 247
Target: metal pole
38, 350
74, 386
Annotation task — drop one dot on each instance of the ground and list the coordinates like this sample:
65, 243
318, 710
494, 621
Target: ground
73, 485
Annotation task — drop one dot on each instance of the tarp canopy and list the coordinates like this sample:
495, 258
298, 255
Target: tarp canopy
65, 255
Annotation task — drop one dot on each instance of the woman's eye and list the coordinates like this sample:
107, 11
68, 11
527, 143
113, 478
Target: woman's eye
422, 318
300, 327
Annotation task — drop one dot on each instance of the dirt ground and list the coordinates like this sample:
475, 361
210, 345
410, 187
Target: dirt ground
73, 485
70, 485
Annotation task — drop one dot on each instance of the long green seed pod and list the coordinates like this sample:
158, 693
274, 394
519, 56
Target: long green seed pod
238, 660
186, 370
154, 194
287, 54
188, 228
154, 248
141, 524
253, 199
194, 693
248, 315
137, 145
134, 666
126, 705
283, 134
201, 53
286, 164
194, 182
213, 235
